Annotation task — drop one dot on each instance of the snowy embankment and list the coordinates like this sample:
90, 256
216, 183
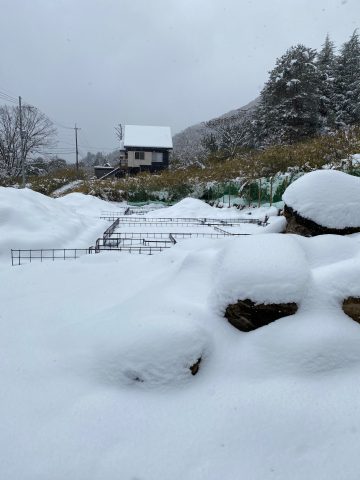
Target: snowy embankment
95, 359
194, 208
31, 220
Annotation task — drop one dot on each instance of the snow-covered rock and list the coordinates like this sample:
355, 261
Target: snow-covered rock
351, 307
256, 269
324, 201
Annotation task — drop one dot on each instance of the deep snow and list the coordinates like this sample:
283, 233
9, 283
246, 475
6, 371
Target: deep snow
31, 220
95, 358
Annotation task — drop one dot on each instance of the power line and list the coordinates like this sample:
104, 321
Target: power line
57, 150
8, 92
60, 124
86, 141
8, 98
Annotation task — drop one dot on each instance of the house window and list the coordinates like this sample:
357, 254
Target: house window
139, 155
157, 157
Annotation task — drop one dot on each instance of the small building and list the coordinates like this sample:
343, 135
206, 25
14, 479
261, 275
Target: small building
143, 148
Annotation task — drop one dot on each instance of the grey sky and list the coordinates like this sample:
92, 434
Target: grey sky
155, 62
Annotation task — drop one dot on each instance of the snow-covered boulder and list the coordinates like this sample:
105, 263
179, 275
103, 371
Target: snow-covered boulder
246, 315
261, 280
321, 202
351, 306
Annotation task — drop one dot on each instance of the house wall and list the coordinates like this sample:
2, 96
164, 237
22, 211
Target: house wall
154, 159
139, 163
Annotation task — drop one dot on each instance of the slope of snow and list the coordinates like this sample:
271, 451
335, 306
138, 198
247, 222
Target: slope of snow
186, 208
95, 359
328, 197
31, 220
194, 208
88, 204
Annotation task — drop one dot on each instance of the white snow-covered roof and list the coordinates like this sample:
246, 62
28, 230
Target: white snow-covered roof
147, 136
328, 197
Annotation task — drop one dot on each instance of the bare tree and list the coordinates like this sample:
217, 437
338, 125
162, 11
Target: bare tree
228, 134
38, 132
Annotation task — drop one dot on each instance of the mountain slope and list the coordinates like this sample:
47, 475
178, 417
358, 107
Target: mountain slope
187, 143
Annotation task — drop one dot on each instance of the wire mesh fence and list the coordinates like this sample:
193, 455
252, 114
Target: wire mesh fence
116, 238
20, 256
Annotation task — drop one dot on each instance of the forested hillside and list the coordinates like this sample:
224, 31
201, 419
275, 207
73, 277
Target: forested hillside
308, 93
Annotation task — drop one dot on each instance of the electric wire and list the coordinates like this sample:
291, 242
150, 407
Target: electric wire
7, 98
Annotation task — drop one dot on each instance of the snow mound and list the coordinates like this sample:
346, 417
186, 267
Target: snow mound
87, 204
275, 225
187, 208
287, 347
327, 249
194, 208
263, 268
31, 220
327, 197
153, 353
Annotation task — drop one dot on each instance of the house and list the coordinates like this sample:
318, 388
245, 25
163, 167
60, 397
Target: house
142, 148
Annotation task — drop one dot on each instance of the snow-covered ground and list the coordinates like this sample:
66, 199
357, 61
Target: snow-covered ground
95, 356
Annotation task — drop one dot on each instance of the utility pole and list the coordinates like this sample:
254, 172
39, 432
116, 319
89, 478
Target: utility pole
76, 145
22, 158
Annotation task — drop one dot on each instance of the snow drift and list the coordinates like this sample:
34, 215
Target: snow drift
31, 220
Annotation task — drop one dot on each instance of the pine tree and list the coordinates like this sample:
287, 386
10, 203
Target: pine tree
288, 109
326, 61
347, 83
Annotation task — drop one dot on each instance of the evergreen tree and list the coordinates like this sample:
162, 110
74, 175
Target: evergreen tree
326, 61
347, 83
288, 109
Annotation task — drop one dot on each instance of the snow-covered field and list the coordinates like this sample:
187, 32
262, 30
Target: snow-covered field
95, 354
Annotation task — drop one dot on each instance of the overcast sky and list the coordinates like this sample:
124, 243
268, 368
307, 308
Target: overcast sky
152, 62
